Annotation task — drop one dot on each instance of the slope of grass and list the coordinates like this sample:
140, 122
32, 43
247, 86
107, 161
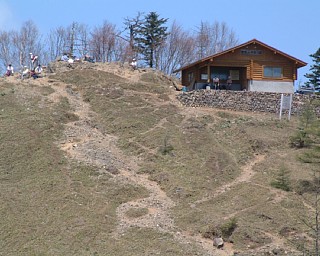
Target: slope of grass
53, 206
50, 206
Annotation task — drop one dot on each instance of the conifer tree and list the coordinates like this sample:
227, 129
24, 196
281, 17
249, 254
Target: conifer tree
151, 34
314, 75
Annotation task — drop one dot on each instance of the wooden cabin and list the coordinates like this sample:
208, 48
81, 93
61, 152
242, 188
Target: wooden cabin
252, 66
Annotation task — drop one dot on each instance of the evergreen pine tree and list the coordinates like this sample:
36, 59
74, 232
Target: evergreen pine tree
314, 75
151, 34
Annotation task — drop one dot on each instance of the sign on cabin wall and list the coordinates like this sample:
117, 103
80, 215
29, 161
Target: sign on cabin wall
251, 52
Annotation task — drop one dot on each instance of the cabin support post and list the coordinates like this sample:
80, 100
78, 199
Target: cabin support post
251, 69
294, 72
208, 72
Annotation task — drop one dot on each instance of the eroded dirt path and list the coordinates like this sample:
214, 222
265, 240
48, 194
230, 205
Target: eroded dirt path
85, 143
247, 173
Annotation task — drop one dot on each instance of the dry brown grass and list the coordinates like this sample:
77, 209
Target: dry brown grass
53, 206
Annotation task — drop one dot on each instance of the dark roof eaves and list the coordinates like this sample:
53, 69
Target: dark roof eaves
302, 63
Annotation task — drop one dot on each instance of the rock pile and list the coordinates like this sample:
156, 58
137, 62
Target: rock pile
241, 100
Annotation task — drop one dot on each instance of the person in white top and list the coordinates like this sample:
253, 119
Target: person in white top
38, 69
37, 72
9, 71
64, 57
25, 72
34, 60
133, 63
216, 83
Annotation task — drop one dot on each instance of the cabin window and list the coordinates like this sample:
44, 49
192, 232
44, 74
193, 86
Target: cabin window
190, 76
274, 72
204, 76
222, 74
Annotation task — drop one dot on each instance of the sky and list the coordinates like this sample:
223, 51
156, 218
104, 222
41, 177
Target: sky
291, 26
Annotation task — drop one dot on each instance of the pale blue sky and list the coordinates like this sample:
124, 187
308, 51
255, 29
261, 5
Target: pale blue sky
291, 26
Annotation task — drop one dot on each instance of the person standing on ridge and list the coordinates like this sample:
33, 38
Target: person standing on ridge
133, 64
9, 71
34, 60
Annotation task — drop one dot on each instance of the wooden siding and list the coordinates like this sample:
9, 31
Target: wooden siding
253, 57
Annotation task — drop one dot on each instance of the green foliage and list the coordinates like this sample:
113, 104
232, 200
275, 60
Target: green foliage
166, 148
314, 75
225, 230
308, 116
282, 180
228, 228
308, 186
151, 34
311, 156
308, 126
300, 139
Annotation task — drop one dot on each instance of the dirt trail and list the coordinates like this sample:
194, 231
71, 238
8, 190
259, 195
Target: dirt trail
84, 142
246, 175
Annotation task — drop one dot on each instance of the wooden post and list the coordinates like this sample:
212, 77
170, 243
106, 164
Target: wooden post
208, 72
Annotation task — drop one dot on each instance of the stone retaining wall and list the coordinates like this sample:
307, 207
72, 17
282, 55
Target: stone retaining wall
242, 100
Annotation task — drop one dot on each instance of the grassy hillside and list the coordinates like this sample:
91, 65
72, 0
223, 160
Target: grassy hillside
214, 168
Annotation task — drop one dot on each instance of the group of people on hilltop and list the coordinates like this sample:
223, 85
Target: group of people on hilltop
65, 57
71, 59
35, 68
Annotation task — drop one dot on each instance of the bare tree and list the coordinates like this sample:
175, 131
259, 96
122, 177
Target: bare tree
214, 38
57, 42
203, 41
177, 51
122, 50
26, 41
133, 25
82, 39
103, 40
6, 51
73, 40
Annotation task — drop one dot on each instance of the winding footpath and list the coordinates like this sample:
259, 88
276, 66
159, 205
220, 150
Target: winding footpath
85, 143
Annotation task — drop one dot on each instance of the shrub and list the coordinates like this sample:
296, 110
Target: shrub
300, 139
166, 149
308, 186
282, 180
225, 230
228, 228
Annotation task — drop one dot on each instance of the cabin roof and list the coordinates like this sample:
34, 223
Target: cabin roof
299, 63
